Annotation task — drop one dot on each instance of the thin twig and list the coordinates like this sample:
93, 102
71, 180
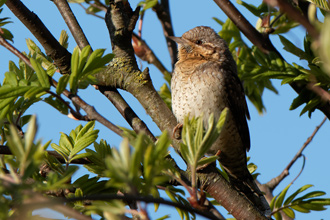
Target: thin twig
72, 23
143, 51
99, 6
91, 13
163, 13
273, 183
75, 114
140, 24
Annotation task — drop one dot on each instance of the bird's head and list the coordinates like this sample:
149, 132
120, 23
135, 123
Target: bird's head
200, 42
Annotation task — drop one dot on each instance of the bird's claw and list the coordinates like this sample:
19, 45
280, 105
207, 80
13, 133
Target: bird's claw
177, 131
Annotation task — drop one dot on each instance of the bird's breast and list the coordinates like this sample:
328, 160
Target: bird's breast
197, 90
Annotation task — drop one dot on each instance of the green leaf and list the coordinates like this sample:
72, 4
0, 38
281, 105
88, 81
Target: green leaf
280, 198
79, 156
34, 92
93, 61
312, 195
62, 83
7, 92
74, 70
300, 190
7, 34
5, 102
41, 73
300, 209
207, 160
84, 54
290, 47
289, 212
325, 45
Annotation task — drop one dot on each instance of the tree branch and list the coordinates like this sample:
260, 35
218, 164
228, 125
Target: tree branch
273, 183
147, 199
53, 48
72, 23
162, 10
126, 111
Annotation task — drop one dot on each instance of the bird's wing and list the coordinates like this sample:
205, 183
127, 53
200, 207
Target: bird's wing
237, 105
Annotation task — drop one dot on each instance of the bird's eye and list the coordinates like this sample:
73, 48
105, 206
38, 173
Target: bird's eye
198, 42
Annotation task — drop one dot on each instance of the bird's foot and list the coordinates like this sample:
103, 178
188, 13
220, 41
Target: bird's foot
177, 131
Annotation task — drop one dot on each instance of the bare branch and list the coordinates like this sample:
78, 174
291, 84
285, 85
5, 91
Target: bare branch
273, 183
72, 23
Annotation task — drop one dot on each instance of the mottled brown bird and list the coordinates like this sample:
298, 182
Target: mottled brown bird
205, 81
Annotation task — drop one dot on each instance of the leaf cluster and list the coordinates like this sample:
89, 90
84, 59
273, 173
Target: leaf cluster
78, 139
304, 203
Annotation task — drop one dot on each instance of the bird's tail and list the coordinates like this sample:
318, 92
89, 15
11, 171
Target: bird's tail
251, 191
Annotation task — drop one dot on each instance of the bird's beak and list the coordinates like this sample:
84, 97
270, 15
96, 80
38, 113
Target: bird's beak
178, 40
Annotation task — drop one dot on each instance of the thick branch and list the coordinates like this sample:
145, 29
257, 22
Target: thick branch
72, 23
53, 48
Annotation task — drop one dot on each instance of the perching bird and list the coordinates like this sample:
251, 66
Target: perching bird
205, 81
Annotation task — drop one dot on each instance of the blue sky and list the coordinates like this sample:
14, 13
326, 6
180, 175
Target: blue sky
276, 135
